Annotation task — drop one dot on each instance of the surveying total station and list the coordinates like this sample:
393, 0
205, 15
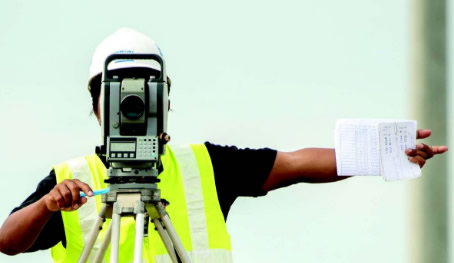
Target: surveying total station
134, 124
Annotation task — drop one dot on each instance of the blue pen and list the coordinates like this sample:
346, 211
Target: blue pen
97, 192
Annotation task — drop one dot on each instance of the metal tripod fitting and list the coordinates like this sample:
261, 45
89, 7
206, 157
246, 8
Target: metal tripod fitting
132, 199
127, 204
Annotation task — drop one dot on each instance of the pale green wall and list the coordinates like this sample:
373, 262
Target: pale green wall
250, 73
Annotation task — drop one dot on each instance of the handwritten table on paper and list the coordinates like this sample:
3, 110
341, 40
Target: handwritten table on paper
375, 147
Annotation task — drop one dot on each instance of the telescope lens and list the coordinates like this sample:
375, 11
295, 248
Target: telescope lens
132, 107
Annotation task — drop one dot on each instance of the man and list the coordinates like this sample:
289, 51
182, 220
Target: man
198, 181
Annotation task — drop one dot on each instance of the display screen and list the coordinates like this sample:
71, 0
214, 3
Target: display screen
123, 146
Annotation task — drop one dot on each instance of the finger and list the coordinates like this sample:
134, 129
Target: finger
74, 207
51, 202
75, 192
421, 134
439, 149
68, 209
415, 152
418, 160
83, 200
58, 198
425, 148
421, 149
84, 187
65, 192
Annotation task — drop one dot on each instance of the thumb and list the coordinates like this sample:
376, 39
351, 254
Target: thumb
421, 134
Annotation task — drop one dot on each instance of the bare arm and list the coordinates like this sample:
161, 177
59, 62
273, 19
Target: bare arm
21, 229
311, 165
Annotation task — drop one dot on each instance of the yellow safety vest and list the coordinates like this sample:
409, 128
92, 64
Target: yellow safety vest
187, 182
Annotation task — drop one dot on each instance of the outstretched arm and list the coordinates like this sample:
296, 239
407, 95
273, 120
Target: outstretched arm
318, 165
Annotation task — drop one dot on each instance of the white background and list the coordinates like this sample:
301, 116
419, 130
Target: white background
246, 73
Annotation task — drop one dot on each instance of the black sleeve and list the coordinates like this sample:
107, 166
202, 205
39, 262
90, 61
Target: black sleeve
54, 231
239, 172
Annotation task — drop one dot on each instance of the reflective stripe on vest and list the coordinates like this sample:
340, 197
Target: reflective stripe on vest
88, 212
194, 196
187, 183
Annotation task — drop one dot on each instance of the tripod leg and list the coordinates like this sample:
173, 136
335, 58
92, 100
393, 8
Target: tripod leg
105, 243
138, 242
93, 235
175, 239
166, 240
171, 232
114, 249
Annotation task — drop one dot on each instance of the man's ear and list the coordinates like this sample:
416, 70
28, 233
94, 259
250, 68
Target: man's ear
97, 114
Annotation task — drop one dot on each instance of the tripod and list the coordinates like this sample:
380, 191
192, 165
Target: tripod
131, 199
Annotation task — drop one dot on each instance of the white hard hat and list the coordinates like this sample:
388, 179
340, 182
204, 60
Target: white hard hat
124, 41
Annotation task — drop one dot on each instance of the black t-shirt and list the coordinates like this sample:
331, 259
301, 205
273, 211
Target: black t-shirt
237, 172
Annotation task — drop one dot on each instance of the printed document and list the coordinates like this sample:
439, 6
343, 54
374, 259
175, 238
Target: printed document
375, 147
